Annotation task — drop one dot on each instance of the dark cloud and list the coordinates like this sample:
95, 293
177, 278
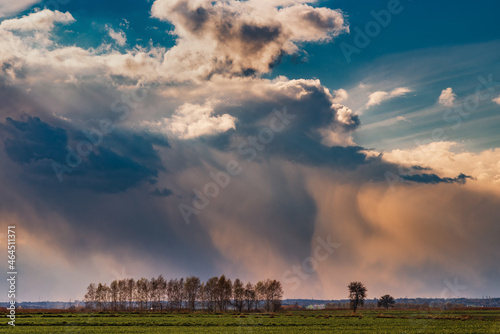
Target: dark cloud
320, 21
31, 140
434, 179
165, 192
258, 36
107, 163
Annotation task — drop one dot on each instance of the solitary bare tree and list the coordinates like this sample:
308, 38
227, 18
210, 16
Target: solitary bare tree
357, 294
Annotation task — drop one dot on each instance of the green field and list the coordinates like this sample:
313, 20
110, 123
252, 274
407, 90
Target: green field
464, 321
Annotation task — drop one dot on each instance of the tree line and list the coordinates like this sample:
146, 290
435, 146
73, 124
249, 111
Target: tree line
217, 294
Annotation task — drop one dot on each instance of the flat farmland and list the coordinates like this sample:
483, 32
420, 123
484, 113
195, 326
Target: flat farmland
463, 321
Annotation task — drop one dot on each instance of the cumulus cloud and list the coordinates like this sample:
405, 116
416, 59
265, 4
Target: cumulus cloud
9, 7
319, 115
237, 38
340, 95
241, 38
27, 45
43, 20
381, 96
447, 97
193, 120
449, 159
118, 36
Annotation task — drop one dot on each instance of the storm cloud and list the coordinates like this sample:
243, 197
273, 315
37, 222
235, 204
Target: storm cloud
100, 147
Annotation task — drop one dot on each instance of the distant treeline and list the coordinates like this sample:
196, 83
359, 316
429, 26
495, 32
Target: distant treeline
218, 294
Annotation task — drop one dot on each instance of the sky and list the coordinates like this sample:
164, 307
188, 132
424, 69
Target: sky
313, 142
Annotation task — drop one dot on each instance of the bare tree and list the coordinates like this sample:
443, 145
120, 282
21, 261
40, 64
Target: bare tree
357, 294
114, 294
238, 295
274, 294
249, 296
211, 293
191, 290
216, 295
202, 296
122, 294
161, 292
142, 287
225, 293
91, 297
131, 292
152, 293
102, 296
175, 293
171, 293
260, 293
180, 294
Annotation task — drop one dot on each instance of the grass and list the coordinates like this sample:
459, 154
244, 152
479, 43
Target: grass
337, 321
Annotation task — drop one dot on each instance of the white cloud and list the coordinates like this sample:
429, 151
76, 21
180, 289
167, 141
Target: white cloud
258, 33
241, 36
333, 135
450, 159
49, 62
400, 91
447, 97
402, 119
119, 36
344, 115
377, 98
26, 44
9, 7
497, 99
304, 96
193, 120
331, 138
381, 96
340, 95
43, 20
